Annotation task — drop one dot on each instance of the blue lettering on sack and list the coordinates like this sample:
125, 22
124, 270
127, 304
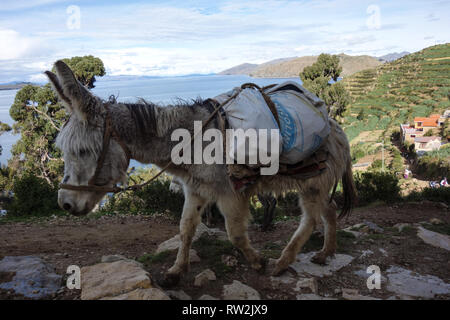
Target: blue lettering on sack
288, 128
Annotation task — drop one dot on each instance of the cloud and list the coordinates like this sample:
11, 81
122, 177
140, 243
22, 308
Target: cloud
180, 37
16, 46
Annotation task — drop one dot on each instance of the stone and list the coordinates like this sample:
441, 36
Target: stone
383, 252
284, 279
112, 279
141, 294
311, 296
374, 227
357, 234
366, 253
207, 297
239, 291
436, 221
113, 258
405, 282
308, 283
443, 205
303, 264
174, 242
204, 277
401, 226
433, 238
29, 276
179, 295
193, 256
229, 261
353, 294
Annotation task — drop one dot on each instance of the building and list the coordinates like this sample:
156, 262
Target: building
427, 143
409, 133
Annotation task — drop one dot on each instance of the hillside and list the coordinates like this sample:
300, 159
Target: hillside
244, 68
393, 93
393, 56
291, 67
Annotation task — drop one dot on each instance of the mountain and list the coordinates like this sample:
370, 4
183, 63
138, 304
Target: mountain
393, 56
393, 93
291, 67
244, 68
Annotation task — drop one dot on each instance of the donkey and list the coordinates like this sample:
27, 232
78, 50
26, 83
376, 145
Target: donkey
143, 133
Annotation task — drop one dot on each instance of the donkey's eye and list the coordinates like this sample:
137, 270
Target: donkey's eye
83, 153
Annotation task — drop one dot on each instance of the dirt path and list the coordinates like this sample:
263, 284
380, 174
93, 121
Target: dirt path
63, 242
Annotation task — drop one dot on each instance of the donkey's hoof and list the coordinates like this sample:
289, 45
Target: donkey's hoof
278, 268
319, 258
260, 266
171, 280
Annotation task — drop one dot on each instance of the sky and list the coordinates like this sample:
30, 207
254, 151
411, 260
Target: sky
171, 38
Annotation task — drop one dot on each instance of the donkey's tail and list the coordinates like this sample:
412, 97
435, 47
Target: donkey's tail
349, 191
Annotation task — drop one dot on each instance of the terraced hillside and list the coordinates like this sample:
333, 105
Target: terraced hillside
394, 93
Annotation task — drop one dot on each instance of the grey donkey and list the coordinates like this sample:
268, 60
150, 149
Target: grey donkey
145, 129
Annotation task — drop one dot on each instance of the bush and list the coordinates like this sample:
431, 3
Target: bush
374, 186
438, 194
33, 196
153, 198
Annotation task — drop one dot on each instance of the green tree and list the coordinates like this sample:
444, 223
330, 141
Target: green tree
38, 118
316, 78
86, 69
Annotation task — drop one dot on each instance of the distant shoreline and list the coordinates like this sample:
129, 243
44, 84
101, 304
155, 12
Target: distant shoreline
13, 86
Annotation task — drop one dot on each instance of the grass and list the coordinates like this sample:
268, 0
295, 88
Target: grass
210, 250
152, 258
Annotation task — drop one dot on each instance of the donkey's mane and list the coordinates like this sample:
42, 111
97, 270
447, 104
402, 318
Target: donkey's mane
150, 119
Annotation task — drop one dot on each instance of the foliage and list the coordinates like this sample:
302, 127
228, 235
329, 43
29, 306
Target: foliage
374, 186
396, 92
86, 69
33, 196
316, 78
431, 194
156, 197
429, 133
38, 118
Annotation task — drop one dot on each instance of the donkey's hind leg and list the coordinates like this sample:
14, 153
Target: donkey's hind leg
237, 214
312, 206
191, 217
329, 245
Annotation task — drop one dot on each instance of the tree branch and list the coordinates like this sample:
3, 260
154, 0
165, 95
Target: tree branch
47, 116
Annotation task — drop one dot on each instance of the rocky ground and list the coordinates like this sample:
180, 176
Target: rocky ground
409, 243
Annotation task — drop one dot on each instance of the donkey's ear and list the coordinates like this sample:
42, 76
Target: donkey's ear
73, 95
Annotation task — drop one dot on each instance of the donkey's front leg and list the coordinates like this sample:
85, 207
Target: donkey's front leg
191, 217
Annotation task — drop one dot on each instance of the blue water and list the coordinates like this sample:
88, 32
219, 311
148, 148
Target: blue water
129, 89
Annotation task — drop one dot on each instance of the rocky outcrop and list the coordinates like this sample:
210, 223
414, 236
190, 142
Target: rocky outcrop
174, 242
433, 238
204, 277
405, 282
239, 291
29, 276
303, 264
122, 279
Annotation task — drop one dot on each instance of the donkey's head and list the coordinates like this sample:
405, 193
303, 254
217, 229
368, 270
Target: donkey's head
81, 141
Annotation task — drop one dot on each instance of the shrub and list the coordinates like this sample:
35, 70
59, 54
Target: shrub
374, 186
33, 196
153, 198
438, 194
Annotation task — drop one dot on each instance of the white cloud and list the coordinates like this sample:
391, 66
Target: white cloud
16, 46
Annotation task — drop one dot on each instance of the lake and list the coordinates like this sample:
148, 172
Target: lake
128, 89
